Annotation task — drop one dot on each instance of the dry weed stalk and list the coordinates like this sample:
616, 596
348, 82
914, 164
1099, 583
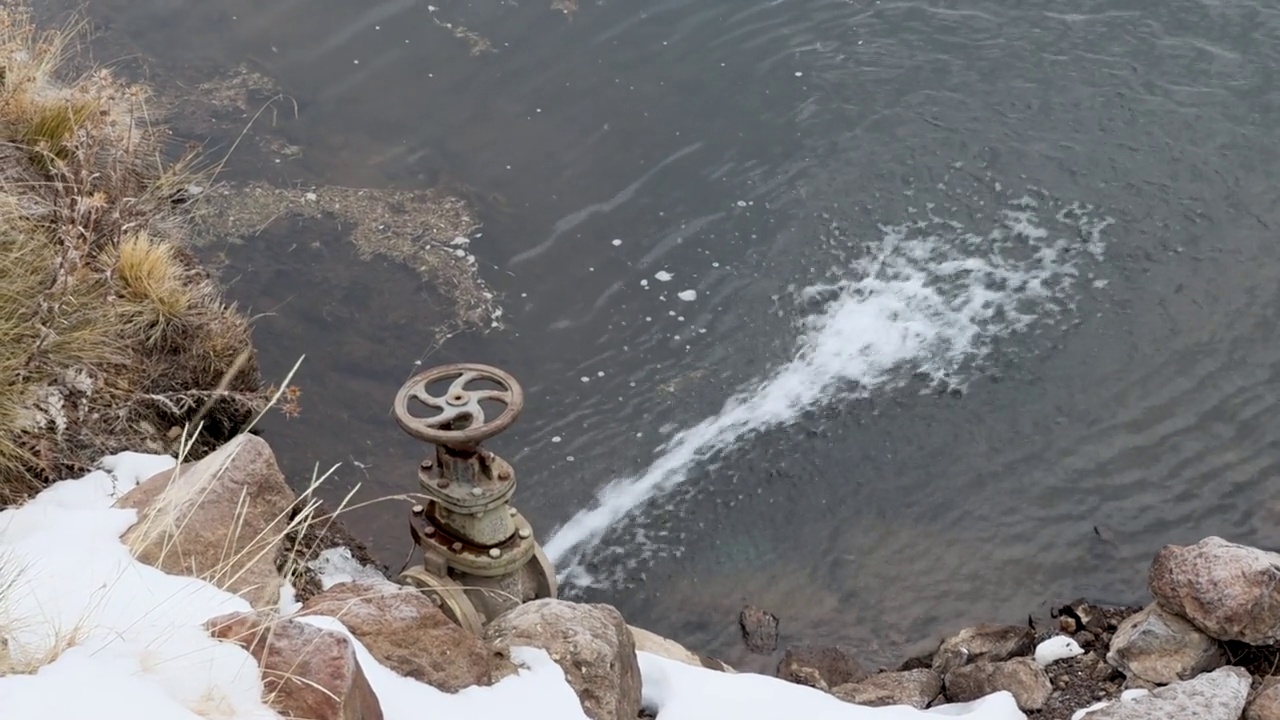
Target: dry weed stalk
112, 336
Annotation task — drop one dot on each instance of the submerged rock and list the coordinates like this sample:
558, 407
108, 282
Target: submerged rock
307, 672
917, 688
983, 643
1229, 591
220, 519
1022, 677
1218, 695
405, 631
1160, 647
821, 667
590, 642
759, 630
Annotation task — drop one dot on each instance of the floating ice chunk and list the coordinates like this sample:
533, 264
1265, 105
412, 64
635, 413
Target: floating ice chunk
616, 242
687, 295
662, 276
1058, 647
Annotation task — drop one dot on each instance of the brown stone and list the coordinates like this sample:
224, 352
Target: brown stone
1021, 677
917, 688
983, 643
655, 644
1160, 647
759, 630
1265, 704
820, 666
591, 643
308, 673
406, 632
220, 519
1229, 591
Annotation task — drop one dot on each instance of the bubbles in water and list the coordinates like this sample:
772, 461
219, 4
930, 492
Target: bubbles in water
927, 298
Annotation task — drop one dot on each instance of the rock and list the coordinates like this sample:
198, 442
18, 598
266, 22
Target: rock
591, 643
220, 519
655, 644
307, 672
759, 630
821, 667
983, 643
406, 632
1162, 648
917, 688
1229, 591
1217, 695
1081, 616
1265, 703
1022, 677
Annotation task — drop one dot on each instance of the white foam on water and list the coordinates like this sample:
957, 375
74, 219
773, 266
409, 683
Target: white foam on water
929, 297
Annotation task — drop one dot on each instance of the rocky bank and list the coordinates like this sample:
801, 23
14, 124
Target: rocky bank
1204, 648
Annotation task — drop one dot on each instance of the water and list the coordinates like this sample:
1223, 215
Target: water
968, 281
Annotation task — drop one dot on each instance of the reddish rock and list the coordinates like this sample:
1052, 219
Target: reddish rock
220, 519
406, 632
308, 673
1229, 591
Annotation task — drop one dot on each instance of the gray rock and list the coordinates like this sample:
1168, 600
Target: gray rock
1160, 647
983, 643
1218, 695
917, 688
591, 643
821, 667
1022, 677
759, 630
1229, 591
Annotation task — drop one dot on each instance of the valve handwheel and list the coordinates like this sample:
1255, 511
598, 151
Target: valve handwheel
461, 421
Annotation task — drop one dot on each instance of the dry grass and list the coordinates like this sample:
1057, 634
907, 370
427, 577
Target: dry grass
27, 658
112, 337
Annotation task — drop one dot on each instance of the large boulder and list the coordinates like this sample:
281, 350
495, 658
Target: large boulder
1217, 695
983, 643
917, 688
1230, 591
820, 666
406, 632
590, 642
220, 519
1160, 647
307, 672
655, 644
1022, 677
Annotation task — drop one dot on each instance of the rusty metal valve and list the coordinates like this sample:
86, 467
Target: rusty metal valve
480, 558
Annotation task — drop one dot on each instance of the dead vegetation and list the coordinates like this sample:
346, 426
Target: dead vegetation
425, 230
112, 336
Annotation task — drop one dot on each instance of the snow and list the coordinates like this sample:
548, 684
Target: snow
1058, 647
78, 613
336, 565
675, 691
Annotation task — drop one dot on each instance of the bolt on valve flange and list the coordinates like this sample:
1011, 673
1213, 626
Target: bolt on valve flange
480, 558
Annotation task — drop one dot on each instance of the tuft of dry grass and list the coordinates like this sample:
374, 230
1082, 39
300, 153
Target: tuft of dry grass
112, 336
